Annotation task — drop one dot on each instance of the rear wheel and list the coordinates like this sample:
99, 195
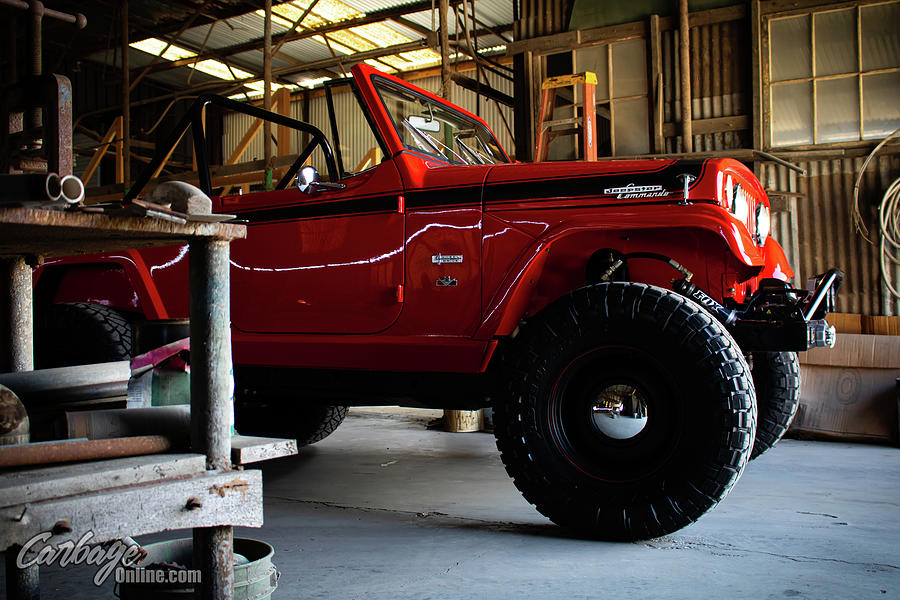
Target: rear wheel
776, 376
630, 412
81, 333
287, 418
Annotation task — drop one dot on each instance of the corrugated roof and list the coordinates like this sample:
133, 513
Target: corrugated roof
248, 28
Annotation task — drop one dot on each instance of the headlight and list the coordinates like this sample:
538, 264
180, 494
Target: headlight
729, 193
763, 223
741, 207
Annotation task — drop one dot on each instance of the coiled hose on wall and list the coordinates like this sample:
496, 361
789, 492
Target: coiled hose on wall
888, 220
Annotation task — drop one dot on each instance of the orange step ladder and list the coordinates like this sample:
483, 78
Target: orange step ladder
585, 123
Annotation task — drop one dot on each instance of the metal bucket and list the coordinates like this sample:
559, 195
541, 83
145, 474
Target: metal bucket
255, 579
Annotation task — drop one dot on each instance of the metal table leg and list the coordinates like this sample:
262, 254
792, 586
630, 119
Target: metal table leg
211, 390
17, 328
21, 584
17, 354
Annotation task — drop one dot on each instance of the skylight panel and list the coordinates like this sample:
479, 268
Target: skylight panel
155, 46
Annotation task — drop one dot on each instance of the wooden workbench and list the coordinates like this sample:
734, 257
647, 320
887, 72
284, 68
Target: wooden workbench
143, 494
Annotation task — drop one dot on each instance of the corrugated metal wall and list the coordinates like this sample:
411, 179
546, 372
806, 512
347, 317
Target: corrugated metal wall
352, 123
826, 236
719, 82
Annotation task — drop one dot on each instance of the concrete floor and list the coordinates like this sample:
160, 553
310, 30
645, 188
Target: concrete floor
385, 509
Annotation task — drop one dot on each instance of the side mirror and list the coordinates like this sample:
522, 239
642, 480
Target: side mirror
308, 181
306, 178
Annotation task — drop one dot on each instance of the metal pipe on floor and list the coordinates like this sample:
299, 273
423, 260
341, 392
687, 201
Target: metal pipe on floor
70, 384
46, 453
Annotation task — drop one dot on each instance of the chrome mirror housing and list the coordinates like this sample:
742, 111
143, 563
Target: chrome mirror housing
306, 179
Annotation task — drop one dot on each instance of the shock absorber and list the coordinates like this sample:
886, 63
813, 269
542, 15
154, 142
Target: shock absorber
684, 287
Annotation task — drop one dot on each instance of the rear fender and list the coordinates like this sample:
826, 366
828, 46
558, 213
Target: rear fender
120, 281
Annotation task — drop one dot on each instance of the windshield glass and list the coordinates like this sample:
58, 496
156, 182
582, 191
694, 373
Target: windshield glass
436, 129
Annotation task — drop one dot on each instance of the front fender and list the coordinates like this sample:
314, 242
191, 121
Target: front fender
631, 228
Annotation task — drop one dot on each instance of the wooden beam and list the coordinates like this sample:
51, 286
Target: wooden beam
583, 38
100, 152
484, 89
789, 7
712, 125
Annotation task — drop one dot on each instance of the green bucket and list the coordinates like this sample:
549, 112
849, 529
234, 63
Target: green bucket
254, 579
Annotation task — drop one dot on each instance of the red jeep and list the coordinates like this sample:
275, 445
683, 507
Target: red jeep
609, 311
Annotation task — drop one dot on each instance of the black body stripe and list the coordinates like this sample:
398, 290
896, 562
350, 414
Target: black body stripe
528, 190
524, 191
353, 206
454, 196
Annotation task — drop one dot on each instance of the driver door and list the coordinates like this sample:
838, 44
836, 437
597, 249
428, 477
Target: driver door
325, 261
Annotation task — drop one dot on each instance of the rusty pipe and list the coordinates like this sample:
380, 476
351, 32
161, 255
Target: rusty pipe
78, 19
77, 450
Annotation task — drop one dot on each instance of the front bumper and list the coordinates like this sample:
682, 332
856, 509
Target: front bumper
781, 319
777, 318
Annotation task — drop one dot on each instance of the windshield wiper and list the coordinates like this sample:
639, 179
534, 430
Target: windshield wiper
421, 136
482, 159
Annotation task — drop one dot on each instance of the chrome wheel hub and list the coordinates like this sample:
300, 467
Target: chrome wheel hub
619, 411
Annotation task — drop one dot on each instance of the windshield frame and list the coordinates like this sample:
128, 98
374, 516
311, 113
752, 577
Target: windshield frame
379, 83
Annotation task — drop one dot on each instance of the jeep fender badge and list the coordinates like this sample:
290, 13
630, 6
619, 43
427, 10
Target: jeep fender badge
446, 281
445, 259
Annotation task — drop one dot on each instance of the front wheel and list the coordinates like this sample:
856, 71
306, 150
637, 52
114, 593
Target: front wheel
629, 412
776, 376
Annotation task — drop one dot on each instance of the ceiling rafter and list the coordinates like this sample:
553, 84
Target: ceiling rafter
257, 44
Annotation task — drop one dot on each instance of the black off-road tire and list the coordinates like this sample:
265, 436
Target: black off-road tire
672, 358
318, 422
286, 417
776, 376
81, 333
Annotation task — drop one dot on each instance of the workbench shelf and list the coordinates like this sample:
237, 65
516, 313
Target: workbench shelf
124, 497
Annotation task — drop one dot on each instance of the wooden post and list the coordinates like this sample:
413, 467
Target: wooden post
684, 47
267, 83
283, 106
126, 101
756, 68
444, 8
656, 73
459, 421
211, 400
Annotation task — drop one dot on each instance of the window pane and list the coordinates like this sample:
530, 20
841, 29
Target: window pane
792, 114
629, 68
881, 36
836, 42
790, 43
594, 60
631, 127
837, 105
881, 110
